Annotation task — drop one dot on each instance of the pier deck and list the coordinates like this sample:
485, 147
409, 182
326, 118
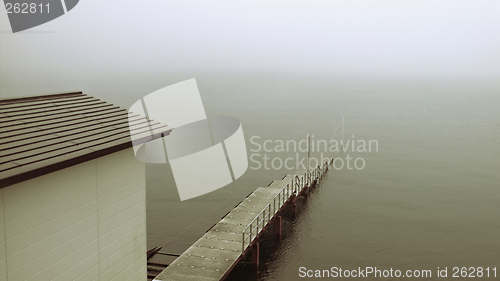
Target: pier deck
214, 255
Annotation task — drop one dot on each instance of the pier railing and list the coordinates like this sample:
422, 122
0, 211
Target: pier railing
280, 199
260, 207
264, 217
256, 226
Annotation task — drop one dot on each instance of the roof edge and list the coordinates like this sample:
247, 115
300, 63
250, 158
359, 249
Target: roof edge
61, 165
28, 98
5, 182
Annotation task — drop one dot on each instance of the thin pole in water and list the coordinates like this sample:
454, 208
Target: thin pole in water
340, 121
343, 133
308, 152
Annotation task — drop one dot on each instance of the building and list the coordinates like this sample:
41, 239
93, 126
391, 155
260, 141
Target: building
72, 193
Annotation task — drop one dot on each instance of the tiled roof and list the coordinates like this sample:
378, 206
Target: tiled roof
43, 134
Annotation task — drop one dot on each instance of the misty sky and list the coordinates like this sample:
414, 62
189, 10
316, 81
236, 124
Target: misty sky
101, 40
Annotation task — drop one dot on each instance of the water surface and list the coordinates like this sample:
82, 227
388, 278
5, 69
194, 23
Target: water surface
430, 196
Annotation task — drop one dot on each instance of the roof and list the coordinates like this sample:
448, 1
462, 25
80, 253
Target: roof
46, 133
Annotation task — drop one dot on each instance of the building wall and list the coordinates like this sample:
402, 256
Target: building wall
86, 222
3, 263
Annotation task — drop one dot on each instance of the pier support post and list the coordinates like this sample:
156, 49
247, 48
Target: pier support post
294, 210
278, 226
255, 256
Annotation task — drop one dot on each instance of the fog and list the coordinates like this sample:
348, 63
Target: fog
120, 45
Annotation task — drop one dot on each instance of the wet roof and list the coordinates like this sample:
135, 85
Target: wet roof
46, 133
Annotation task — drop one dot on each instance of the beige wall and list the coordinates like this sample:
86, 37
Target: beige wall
86, 222
3, 264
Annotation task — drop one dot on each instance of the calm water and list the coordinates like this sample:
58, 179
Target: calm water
430, 196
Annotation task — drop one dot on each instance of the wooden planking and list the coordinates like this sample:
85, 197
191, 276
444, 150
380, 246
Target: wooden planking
8, 166
40, 106
40, 98
56, 135
74, 144
70, 133
55, 114
8, 122
22, 130
56, 101
40, 134
49, 109
73, 150
214, 255
59, 121
69, 116
69, 124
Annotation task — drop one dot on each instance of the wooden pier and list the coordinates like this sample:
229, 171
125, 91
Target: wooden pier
216, 253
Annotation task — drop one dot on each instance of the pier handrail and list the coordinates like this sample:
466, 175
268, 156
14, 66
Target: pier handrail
295, 187
296, 184
256, 227
271, 200
285, 192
